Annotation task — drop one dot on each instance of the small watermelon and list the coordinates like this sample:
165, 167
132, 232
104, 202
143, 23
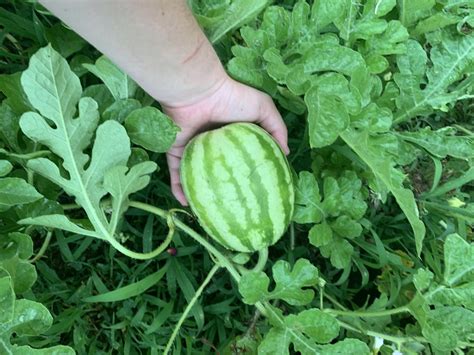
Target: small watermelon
239, 184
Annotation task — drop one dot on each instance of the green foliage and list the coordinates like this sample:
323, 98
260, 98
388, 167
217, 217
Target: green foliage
377, 98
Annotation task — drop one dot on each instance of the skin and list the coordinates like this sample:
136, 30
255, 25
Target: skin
160, 45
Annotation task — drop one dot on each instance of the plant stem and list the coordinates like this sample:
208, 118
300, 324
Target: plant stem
367, 314
189, 306
37, 154
262, 260
43, 247
334, 301
393, 338
225, 262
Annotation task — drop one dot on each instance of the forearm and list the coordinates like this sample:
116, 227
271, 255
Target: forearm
157, 42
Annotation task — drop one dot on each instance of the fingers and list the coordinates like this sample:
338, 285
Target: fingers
174, 159
272, 122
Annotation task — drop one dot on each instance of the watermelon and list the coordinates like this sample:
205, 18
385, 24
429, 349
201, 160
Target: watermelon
238, 183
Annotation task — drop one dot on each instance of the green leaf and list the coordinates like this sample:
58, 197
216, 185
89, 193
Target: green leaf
237, 14
339, 251
101, 95
459, 260
452, 58
411, 11
55, 97
346, 346
7, 300
121, 182
5, 167
442, 142
16, 244
63, 40
151, 129
346, 227
9, 127
120, 109
320, 234
290, 283
58, 221
10, 86
29, 318
317, 325
16, 191
422, 279
327, 117
55, 350
383, 168
307, 199
119, 83
305, 330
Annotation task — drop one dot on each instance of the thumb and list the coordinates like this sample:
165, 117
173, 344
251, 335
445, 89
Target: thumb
271, 120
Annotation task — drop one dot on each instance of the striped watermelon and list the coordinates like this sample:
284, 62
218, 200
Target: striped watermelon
238, 183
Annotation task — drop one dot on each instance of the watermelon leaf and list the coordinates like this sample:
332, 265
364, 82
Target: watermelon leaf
291, 283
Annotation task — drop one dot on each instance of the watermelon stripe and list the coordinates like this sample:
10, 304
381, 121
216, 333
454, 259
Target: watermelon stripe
257, 186
270, 171
284, 168
249, 205
221, 198
189, 181
282, 174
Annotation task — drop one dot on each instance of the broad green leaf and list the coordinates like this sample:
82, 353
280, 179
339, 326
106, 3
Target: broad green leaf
327, 117
383, 168
382, 7
10, 86
121, 182
7, 300
307, 199
118, 82
5, 167
290, 283
323, 13
339, 251
436, 22
64, 40
411, 11
101, 95
346, 346
58, 221
452, 58
237, 14
23, 274
317, 325
16, 244
459, 260
422, 279
120, 109
151, 129
305, 330
9, 127
50, 85
55, 350
16, 191
446, 326
391, 41
56, 97
29, 318
442, 142
346, 227
320, 234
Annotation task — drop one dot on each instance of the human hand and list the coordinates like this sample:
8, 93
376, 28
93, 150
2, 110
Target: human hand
229, 102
